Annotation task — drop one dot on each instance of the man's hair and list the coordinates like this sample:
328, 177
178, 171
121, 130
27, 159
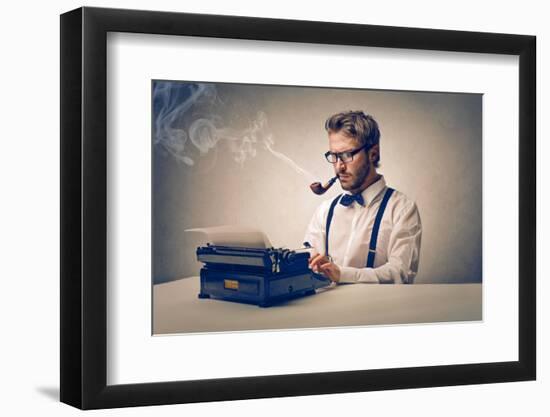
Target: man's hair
358, 125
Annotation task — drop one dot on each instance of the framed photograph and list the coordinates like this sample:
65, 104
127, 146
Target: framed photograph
236, 193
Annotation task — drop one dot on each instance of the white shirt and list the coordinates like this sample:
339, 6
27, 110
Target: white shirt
398, 245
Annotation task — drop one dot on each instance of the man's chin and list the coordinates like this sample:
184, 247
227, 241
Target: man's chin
346, 184
351, 188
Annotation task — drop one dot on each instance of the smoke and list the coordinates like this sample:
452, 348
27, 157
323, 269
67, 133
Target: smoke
172, 103
188, 125
268, 144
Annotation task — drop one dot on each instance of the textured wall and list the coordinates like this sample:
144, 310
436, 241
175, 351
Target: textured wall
219, 157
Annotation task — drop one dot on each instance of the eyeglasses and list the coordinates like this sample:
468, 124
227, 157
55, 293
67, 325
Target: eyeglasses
346, 156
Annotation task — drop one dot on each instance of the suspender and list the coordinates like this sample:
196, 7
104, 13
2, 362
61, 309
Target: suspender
329, 220
375, 228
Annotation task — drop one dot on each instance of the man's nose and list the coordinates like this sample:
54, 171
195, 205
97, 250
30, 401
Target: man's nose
340, 166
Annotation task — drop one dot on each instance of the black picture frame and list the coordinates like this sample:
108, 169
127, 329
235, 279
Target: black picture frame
84, 207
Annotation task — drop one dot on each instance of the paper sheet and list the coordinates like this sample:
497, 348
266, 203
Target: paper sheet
233, 235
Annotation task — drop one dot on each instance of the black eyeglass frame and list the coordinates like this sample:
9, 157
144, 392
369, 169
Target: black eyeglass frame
338, 155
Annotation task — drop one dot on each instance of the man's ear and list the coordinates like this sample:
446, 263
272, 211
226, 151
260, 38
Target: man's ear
374, 153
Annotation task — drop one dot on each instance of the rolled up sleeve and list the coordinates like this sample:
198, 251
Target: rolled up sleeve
315, 233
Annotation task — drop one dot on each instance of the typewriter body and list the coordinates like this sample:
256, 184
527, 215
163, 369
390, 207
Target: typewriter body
257, 276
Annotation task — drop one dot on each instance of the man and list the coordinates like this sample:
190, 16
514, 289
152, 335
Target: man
374, 232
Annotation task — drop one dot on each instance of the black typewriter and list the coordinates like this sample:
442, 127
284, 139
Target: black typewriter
258, 276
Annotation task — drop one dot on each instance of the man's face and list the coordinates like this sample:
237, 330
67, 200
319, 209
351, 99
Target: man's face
353, 174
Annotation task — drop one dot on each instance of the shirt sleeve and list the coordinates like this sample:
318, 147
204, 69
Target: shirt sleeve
403, 254
315, 232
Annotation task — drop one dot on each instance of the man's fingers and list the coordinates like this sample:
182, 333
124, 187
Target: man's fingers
316, 259
328, 270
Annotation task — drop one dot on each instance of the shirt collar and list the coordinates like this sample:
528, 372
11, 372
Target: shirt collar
373, 190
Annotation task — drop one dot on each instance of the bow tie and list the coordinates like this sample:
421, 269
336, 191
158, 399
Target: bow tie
347, 199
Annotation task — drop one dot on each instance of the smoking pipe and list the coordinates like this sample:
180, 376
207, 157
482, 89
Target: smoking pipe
319, 189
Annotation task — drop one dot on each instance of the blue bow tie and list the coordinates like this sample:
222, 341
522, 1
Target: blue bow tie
347, 199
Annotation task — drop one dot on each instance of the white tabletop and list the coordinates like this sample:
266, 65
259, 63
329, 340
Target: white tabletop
177, 309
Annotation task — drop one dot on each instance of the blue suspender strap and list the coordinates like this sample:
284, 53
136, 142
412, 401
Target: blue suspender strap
329, 219
376, 227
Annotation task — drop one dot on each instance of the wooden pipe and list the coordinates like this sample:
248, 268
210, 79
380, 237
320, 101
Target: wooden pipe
319, 189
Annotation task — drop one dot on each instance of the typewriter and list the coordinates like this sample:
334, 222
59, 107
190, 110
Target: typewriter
262, 276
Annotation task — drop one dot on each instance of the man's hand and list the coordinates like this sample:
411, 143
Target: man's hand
323, 265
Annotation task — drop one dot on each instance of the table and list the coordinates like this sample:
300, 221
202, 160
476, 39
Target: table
177, 309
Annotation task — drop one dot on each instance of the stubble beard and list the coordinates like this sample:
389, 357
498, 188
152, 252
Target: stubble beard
358, 179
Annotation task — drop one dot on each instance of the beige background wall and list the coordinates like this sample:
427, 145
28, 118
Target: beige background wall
431, 147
